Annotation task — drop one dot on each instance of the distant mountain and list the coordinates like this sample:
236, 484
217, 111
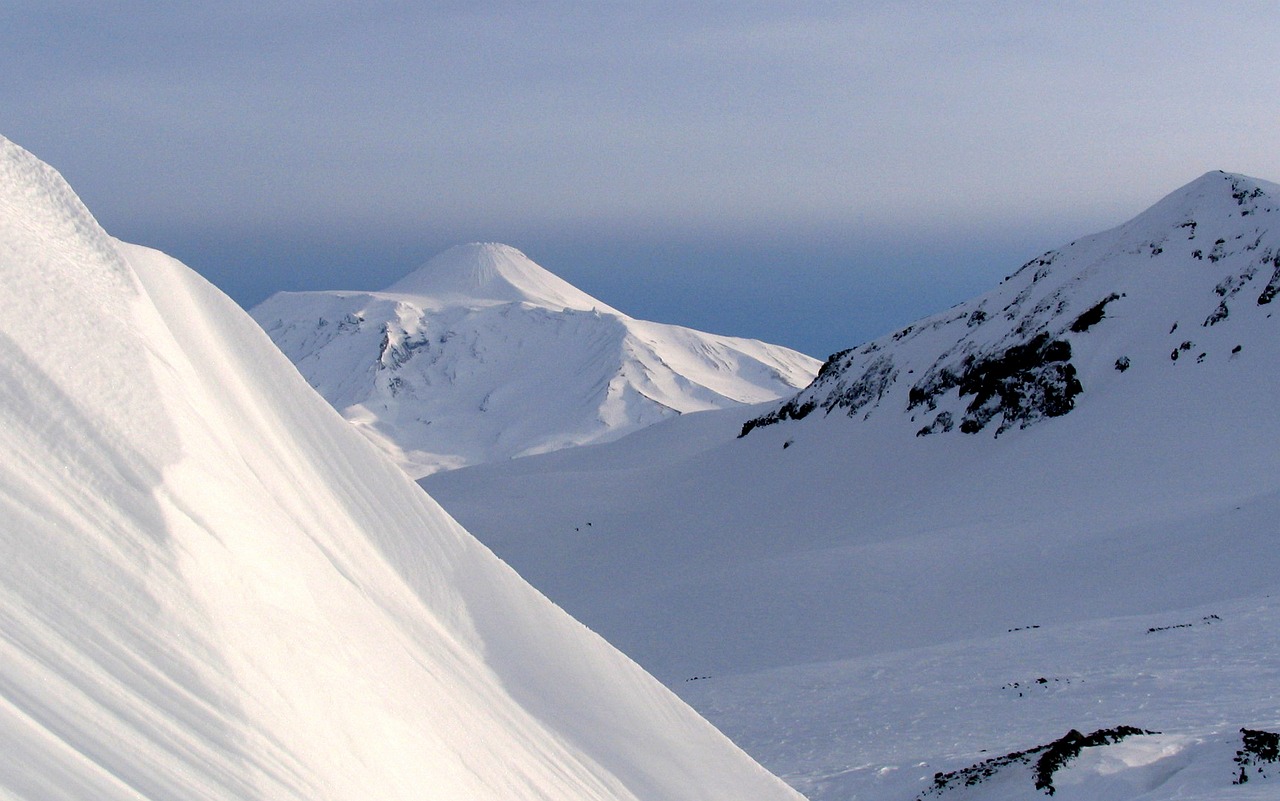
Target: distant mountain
1190, 280
482, 355
212, 588
1047, 512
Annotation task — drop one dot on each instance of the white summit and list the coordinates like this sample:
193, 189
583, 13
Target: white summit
212, 588
481, 355
486, 272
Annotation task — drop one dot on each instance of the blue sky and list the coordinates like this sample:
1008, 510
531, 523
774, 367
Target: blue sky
813, 174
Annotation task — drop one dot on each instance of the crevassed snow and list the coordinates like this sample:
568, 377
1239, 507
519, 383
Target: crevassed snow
212, 588
833, 591
481, 355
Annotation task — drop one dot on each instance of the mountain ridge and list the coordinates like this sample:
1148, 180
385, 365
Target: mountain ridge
1007, 358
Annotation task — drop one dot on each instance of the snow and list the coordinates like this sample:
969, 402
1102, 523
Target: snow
482, 273
853, 602
212, 588
482, 355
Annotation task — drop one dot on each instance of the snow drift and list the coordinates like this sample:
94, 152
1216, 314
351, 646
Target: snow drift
212, 588
482, 355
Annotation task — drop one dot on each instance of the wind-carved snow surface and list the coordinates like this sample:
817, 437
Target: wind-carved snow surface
212, 588
482, 355
1072, 478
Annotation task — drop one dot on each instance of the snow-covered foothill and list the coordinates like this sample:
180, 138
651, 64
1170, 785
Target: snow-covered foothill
482, 355
211, 587
833, 587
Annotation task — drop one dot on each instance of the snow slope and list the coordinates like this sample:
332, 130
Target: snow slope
212, 588
1097, 477
481, 355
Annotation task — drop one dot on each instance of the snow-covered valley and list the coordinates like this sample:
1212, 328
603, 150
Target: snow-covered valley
866, 584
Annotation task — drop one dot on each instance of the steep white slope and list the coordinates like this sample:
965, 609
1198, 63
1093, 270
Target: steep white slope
481, 355
213, 589
865, 533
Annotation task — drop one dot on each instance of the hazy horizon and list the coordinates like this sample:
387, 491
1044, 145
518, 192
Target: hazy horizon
811, 175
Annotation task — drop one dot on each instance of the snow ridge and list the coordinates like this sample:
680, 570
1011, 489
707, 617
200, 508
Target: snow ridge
212, 588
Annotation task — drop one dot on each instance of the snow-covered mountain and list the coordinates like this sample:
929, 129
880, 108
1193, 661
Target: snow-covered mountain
1188, 281
212, 588
1053, 508
482, 355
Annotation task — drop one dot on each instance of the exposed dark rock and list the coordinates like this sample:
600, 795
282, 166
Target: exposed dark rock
1060, 752
1020, 385
1045, 760
1093, 315
1122, 364
852, 396
1217, 315
1040, 265
1217, 252
1206, 620
943, 422
791, 410
1041, 684
934, 383
1260, 748
1273, 286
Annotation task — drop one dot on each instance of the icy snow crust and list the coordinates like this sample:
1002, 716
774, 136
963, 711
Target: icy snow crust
212, 588
863, 598
481, 355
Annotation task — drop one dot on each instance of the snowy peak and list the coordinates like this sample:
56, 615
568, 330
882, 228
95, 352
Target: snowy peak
485, 273
1214, 192
1190, 279
481, 355
1213, 200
